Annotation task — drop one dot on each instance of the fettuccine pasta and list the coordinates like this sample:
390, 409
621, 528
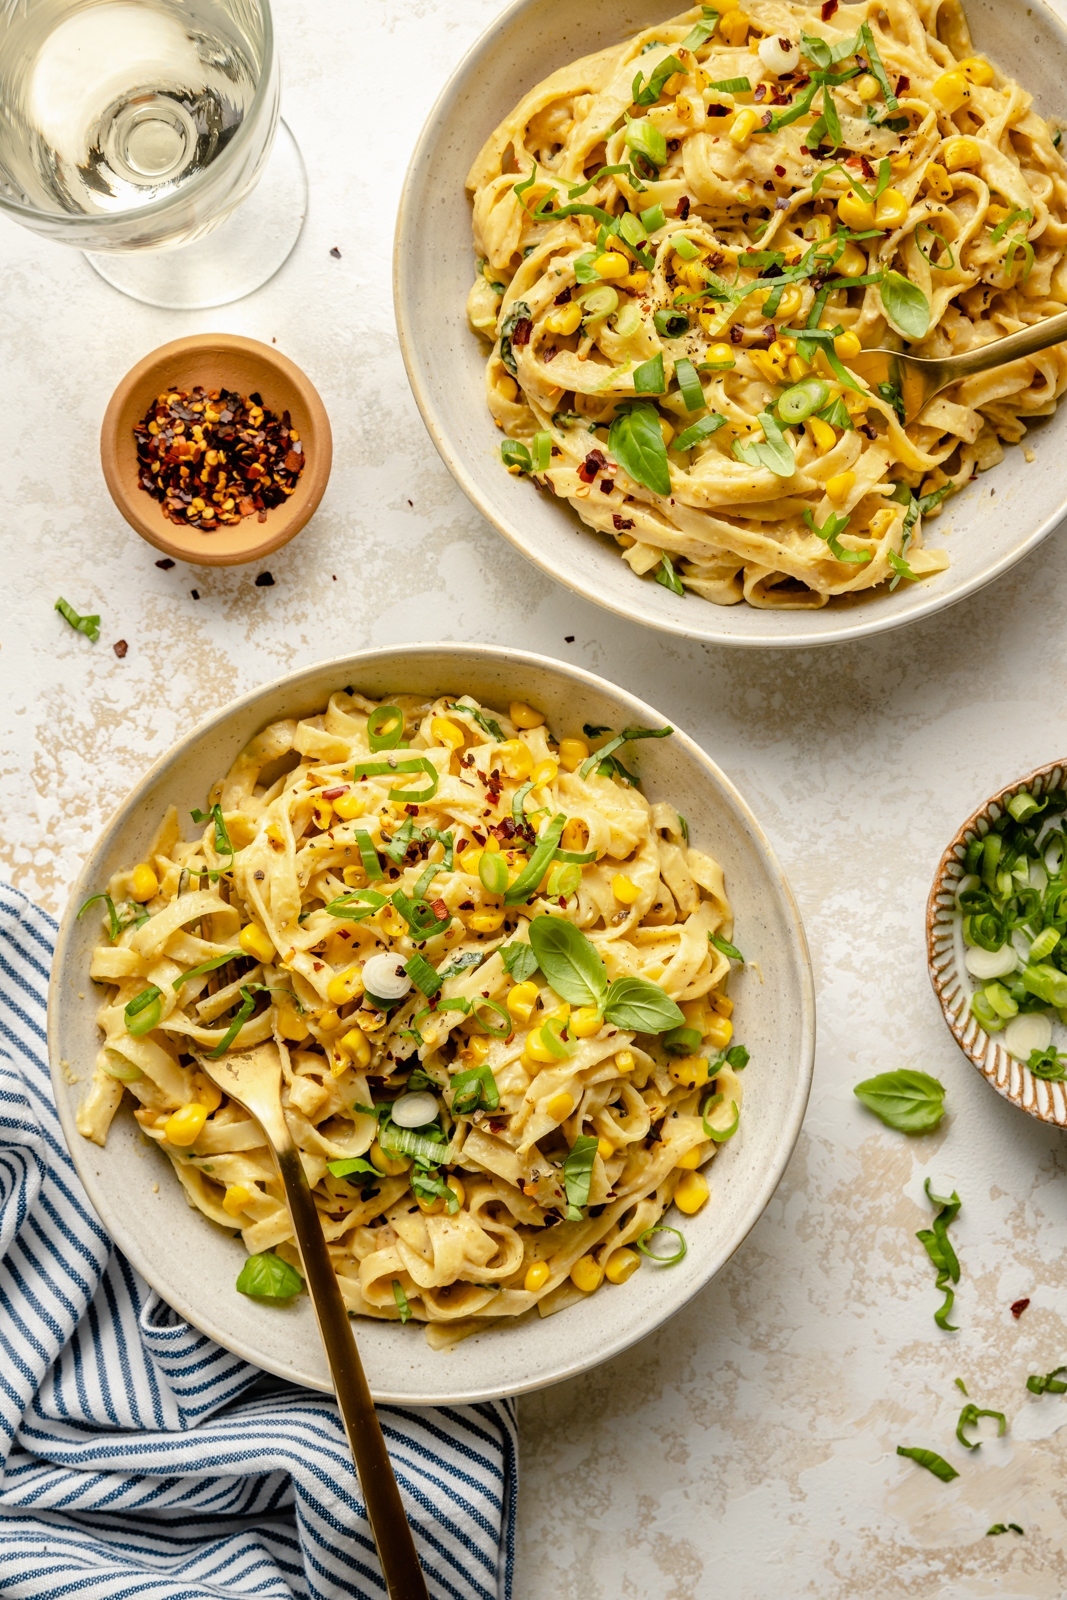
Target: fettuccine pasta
687, 240
496, 976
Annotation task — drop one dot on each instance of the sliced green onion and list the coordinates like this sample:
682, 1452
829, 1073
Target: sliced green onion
241, 1016
578, 858
631, 229
599, 302
737, 1057
698, 431
803, 400
423, 976
563, 878
719, 1135
474, 1090
732, 86
689, 384
223, 847
541, 451
514, 453
368, 855
614, 744
929, 1458
537, 866
206, 966
642, 1243
385, 727
144, 1011
1022, 806
90, 626
386, 769
401, 1301
425, 879
486, 1011
405, 1142
670, 324
653, 219
357, 906
352, 1166
684, 247
421, 918
549, 1034
649, 377
115, 926
493, 871
1044, 944
682, 1041
647, 141
518, 815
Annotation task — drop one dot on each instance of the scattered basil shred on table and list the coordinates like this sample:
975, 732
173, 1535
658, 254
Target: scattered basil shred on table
1011, 904
497, 975
686, 241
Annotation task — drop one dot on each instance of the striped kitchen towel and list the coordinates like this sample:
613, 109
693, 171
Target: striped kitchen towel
138, 1457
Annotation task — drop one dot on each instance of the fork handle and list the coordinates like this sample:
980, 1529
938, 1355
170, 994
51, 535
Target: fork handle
1026, 342
385, 1510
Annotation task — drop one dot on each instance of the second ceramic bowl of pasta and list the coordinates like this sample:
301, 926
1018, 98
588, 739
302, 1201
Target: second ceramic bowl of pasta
193, 1262
983, 530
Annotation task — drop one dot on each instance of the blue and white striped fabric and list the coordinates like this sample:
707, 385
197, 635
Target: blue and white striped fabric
138, 1457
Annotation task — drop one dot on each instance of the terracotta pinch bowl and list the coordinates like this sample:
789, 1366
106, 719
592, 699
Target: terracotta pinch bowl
216, 361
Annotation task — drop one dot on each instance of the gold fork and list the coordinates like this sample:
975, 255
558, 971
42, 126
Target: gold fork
254, 1079
919, 378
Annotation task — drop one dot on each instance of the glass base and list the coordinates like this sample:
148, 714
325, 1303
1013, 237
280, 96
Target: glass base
236, 258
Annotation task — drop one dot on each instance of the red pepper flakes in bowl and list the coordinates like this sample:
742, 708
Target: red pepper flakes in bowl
214, 457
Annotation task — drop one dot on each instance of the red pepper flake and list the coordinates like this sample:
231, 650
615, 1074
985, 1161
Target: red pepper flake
335, 794
466, 905
166, 563
779, 172
622, 524
412, 811
461, 845
1018, 1307
195, 593
264, 580
594, 462
718, 111
336, 253
523, 330
479, 836
120, 648
761, 93
563, 298
827, 9
213, 456
766, 119
903, 83
682, 208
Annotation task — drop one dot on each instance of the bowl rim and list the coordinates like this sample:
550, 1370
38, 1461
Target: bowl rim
406, 252
348, 667
1011, 1078
293, 519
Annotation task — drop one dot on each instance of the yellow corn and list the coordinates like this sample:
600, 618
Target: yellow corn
584, 1022
734, 29
185, 1126
937, 181
537, 1275
564, 319
789, 304
951, 91
610, 265
852, 263
745, 122
524, 716
721, 355
321, 813
445, 731
977, 70
235, 1199
690, 1071
254, 941
720, 1031
797, 368
207, 1093
890, 209
518, 762
291, 1024
637, 281
624, 1060
666, 430
345, 986
624, 889
854, 212
586, 1275
960, 152
355, 1046
690, 273
847, 345
348, 806
621, 1264
722, 1004
866, 86
572, 752
900, 162
996, 213
488, 920
840, 486
507, 387
605, 1149
389, 1166
535, 1051
696, 1014
521, 1001
691, 1193
545, 772
575, 835
144, 885
767, 366
560, 1106
690, 1160
475, 1050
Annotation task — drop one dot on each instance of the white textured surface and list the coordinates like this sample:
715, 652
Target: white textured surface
749, 1449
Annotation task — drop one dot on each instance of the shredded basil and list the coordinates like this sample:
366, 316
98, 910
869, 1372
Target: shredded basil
930, 1460
935, 1241
90, 626
968, 1419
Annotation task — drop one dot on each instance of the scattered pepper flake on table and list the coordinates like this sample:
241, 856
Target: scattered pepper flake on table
1018, 1307
264, 580
120, 648
166, 563
214, 457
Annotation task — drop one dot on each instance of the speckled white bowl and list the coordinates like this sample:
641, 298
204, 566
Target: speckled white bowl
984, 534
193, 1264
953, 984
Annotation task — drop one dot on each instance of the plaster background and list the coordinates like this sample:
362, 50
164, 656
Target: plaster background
750, 1445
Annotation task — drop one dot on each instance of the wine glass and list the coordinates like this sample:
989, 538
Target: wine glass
144, 132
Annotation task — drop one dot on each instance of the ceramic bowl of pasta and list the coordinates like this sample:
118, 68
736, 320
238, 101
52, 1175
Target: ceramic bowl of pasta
540, 992
661, 245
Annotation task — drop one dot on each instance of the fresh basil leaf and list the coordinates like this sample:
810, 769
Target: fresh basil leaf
725, 948
642, 1006
666, 575
773, 453
698, 431
268, 1277
649, 377
520, 960
352, 1166
646, 94
474, 1090
569, 961
909, 1101
578, 1174
635, 439
905, 305
401, 1301
584, 271
930, 1460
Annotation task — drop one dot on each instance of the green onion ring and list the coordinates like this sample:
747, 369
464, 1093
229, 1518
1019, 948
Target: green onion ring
664, 1261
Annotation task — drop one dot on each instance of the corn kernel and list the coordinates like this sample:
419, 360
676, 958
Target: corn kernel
488, 920
560, 1106
475, 1050
575, 835
624, 1060
586, 1275
524, 716
977, 70
388, 1165
720, 1031
746, 121
637, 281
624, 889
900, 161
349, 805
144, 885
866, 86
506, 387
605, 1149
891, 209
584, 1022
690, 1160
610, 265
545, 772
572, 752
689, 1071
767, 367
666, 430
937, 181
734, 27
445, 731
847, 345
254, 941
355, 1046
721, 355
960, 152
184, 1127
951, 91
235, 1199
537, 1275
691, 1193
854, 212
840, 486
291, 1024
391, 922
691, 274
521, 1001
823, 434
536, 1052
797, 368
722, 1004
621, 1264
789, 304
852, 263
518, 762
564, 319
321, 814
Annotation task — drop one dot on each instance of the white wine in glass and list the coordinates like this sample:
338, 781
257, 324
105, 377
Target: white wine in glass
135, 129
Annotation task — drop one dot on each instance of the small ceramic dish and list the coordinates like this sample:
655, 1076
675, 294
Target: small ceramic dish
194, 1264
952, 983
216, 360
433, 268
